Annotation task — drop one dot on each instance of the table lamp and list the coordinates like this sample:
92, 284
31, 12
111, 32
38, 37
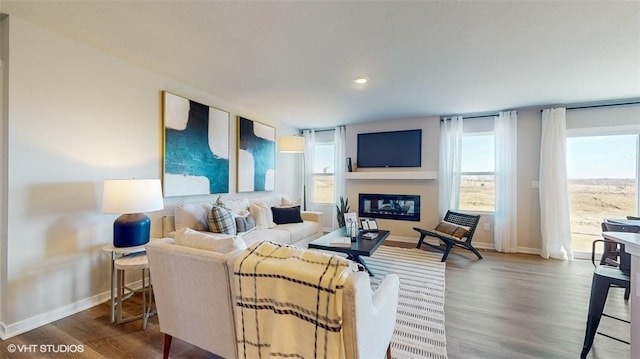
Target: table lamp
130, 198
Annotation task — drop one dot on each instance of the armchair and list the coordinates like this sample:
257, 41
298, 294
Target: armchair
195, 301
369, 320
456, 229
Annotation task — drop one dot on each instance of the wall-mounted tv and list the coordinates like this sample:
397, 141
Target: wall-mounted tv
390, 149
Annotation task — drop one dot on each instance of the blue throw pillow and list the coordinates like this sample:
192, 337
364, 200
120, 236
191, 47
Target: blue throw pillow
245, 223
284, 215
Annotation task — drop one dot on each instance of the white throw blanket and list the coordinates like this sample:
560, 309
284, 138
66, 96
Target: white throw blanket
289, 302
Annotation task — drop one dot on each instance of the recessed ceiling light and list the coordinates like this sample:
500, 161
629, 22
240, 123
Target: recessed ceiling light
361, 80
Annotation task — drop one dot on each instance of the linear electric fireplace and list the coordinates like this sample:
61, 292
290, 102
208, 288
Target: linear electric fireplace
390, 206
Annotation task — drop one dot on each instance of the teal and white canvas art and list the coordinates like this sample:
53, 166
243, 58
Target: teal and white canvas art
196, 147
256, 156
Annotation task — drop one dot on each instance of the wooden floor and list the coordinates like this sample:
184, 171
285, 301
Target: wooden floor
505, 306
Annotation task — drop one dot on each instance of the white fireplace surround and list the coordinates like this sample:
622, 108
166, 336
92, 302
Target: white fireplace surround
395, 175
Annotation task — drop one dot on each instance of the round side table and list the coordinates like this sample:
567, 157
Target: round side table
136, 261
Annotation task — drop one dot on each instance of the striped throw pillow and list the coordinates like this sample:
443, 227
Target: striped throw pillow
452, 229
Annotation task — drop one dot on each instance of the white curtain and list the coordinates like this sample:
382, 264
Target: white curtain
340, 167
554, 193
506, 150
450, 161
309, 155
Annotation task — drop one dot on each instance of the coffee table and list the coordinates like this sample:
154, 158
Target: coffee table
361, 247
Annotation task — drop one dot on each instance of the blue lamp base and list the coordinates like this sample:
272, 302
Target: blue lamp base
130, 230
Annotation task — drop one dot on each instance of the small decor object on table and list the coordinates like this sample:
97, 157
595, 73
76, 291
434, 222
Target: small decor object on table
349, 166
340, 241
351, 225
368, 225
350, 218
369, 235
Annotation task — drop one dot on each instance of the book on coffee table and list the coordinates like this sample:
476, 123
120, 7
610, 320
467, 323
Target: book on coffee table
340, 241
369, 235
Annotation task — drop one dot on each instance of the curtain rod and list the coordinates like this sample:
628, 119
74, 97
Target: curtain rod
443, 118
480, 116
580, 107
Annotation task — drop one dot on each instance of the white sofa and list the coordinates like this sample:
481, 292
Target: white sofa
194, 216
194, 293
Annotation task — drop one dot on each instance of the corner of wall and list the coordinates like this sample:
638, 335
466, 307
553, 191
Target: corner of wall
4, 50
3, 331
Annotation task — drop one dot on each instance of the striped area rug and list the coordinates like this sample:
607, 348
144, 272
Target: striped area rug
419, 329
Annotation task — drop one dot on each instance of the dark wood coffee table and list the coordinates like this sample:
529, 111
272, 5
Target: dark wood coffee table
361, 247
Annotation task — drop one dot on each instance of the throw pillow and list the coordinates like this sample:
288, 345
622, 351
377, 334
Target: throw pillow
193, 215
215, 242
245, 223
287, 203
284, 215
269, 201
452, 229
235, 205
221, 221
262, 215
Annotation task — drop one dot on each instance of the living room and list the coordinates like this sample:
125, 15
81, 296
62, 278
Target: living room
75, 115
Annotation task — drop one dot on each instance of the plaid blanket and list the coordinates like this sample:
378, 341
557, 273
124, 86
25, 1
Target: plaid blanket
289, 302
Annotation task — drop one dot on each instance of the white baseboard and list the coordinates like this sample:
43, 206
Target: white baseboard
528, 250
23, 326
10, 330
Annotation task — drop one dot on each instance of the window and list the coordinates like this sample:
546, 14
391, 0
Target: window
477, 174
602, 171
323, 173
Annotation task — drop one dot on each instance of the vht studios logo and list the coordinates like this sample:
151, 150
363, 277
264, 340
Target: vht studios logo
45, 348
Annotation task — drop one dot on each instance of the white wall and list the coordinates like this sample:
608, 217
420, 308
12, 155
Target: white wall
529, 133
4, 27
609, 116
77, 116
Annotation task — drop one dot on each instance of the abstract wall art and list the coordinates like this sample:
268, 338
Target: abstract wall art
196, 147
256, 156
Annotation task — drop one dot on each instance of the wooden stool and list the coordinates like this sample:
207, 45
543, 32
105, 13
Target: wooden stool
132, 262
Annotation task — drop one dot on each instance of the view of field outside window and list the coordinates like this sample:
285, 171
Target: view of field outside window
602, 174
323, 170
477, 177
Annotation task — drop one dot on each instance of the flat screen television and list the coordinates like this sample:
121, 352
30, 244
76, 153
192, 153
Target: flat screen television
390, 149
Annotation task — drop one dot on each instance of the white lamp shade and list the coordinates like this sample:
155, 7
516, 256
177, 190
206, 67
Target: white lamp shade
291, 144
132, 196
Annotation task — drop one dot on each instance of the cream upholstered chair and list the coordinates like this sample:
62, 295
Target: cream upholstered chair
193, 297
194, 290
369, 319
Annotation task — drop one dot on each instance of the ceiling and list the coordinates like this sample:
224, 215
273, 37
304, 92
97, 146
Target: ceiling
294, 62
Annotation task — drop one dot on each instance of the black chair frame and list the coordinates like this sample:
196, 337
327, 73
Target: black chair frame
612, 271
461, 219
